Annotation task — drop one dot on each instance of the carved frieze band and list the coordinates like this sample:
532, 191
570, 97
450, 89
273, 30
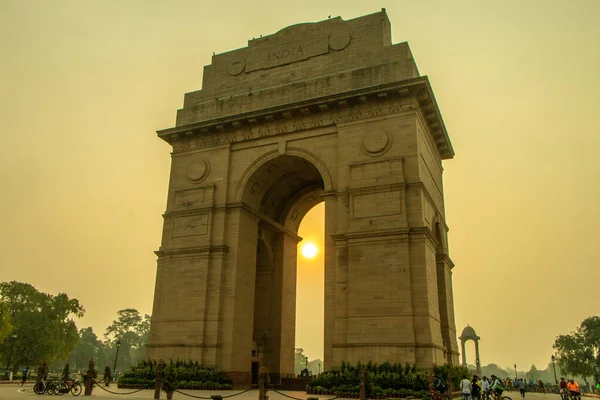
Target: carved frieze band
270, 126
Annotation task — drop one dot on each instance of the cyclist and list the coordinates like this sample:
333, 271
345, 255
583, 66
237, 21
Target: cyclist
563, 388
439, 385
496, 386
573, 388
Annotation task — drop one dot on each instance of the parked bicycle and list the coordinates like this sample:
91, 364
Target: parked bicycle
43, 385
435, 395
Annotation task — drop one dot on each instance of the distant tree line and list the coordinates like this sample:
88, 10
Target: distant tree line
314, 366
36, 327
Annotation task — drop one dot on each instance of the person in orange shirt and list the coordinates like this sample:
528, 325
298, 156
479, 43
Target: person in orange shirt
573, 388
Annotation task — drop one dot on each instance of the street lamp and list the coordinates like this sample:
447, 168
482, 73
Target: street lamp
116, 356
515, 371
14, 337
554, 368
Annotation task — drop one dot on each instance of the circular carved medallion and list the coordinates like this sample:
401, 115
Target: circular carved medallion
376, 143
339, 40
236, 67
198, 171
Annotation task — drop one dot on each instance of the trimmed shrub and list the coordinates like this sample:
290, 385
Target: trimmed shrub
382, 380
189, 375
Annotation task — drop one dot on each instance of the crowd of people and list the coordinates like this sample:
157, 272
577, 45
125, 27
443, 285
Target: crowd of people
479, 388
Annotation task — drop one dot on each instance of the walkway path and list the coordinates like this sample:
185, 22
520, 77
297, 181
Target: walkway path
15, 392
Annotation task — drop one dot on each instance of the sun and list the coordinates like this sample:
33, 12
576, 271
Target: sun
309, 250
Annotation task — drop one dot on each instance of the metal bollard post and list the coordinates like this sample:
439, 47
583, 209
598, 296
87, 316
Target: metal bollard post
89, 377
159, 369
261, 387
363, 389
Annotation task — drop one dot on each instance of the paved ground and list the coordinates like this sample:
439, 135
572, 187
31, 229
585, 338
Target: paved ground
15, 392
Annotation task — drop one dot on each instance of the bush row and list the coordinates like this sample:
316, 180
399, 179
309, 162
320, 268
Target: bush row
185, 375
384, 379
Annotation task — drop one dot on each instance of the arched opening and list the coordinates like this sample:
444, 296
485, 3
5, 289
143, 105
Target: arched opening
278, 194
310, 298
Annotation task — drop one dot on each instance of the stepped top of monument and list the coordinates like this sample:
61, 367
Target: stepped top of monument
303, 53
305, 65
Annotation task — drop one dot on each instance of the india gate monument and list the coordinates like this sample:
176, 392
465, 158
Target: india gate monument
329, 112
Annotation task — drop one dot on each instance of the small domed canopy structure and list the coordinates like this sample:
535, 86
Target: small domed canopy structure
469, 334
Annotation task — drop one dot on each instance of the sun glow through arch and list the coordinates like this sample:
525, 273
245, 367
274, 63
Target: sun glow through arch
310, 295
310, 250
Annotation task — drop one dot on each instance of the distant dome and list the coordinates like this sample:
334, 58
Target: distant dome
468, 333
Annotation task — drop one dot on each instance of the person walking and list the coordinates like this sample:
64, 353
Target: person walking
24, 375
465, 388
475, 388
521, 385
485, 387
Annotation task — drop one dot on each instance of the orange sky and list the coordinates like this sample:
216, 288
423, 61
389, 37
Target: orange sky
85, 85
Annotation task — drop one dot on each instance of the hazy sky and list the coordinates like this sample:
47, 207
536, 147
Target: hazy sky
84, 85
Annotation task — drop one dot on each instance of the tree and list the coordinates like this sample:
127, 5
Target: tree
299, 361
5, 321
578, 353
131, 331
44, 323
315, 366
88, 346
533, 373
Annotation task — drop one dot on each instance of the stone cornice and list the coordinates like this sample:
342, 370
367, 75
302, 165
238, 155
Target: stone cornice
416, 345
445, 259
199, 250
317, 112
423, 232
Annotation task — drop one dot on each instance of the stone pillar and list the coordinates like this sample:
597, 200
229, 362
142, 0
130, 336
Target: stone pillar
477, 359
462, 350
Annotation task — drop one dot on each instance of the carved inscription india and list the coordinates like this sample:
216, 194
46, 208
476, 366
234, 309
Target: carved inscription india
288, 52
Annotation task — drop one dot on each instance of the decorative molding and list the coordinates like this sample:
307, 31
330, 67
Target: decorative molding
192, 250
376, 143
327, 110
198, 171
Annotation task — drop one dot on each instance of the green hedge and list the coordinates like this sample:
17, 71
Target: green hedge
188, 375
390, 380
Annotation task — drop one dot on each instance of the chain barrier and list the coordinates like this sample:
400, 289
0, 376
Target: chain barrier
232, 395
296, 398
191, 395
285, 395
210, 398
110, 391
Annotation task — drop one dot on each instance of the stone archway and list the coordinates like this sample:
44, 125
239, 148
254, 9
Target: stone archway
344, 118
274, 199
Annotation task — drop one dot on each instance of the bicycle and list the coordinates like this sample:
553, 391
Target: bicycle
576, 396
494, 396
43, 385
435, 395
63, 387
